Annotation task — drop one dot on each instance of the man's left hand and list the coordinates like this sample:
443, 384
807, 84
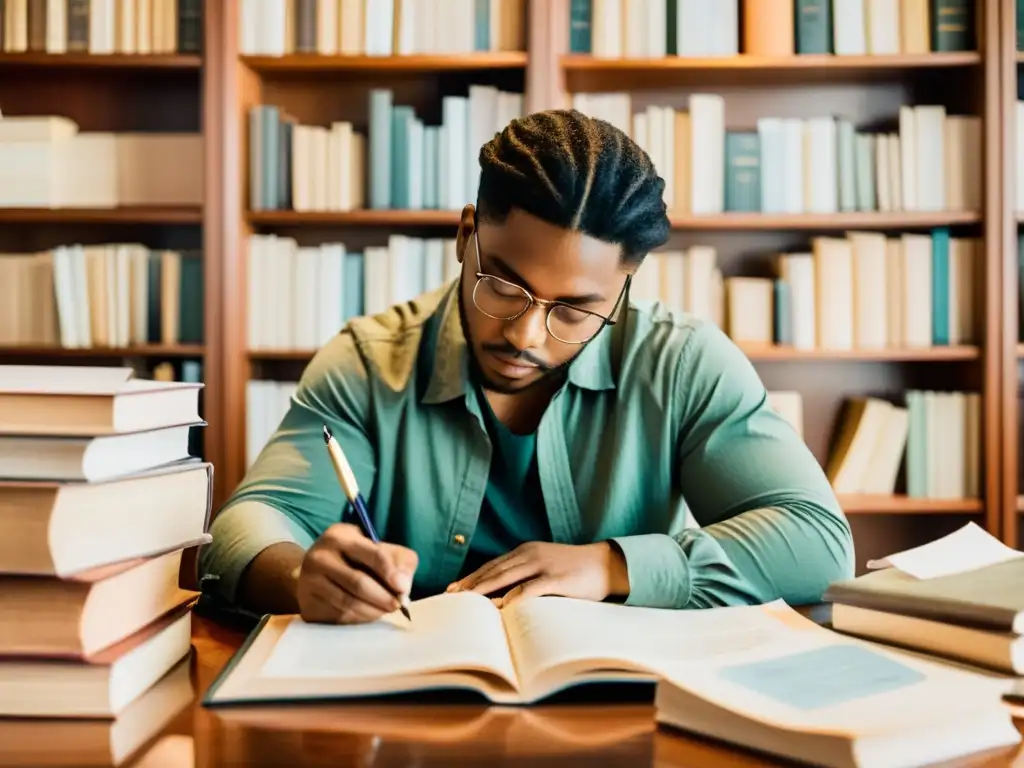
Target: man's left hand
588, 571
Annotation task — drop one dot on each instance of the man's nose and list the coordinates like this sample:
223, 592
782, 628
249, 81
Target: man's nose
529, 330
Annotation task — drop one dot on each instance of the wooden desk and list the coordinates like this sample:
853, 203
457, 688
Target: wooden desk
426, 735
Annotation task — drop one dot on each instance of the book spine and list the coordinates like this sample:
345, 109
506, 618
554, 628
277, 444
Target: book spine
940, 287
190, 26
482, 25
743, 172
36, 25
78, 25
783, 314
813, 26
269, 156
380, 148
305, 26
952, 27
580, 25
847, 167
1020, 25
285, 133
190, 300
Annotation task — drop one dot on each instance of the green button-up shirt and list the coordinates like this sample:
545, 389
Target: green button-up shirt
661, 439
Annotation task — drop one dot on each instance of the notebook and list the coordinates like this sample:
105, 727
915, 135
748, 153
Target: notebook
517, 655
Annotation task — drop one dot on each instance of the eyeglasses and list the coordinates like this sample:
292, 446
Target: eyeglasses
504, 300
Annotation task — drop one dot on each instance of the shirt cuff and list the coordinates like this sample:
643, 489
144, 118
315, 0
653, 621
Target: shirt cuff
240, 532
659, 572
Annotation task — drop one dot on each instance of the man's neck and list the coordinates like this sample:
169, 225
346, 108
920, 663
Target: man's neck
521, 412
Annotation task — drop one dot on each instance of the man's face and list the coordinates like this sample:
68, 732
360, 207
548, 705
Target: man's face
550, 263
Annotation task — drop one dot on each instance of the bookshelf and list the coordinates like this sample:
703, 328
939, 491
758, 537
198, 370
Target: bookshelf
167, 90
214, 93
1011, 59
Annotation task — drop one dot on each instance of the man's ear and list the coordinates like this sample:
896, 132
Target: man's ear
466, 229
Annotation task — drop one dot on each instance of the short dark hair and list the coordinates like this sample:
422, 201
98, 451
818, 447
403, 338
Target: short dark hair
579, 173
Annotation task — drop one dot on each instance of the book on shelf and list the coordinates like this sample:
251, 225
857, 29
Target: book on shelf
381, 27
927, 160
101, 26
47, 162
102, 295
934, 436
695, 29
972, 613
401, 162
91, 570
301, 296
864, 291
266, 403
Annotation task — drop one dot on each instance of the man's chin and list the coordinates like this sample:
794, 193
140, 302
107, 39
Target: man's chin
507, 386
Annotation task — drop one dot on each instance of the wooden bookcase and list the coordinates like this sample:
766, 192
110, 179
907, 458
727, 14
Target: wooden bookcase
216, 92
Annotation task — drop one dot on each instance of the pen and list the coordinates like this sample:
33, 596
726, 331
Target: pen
348, 484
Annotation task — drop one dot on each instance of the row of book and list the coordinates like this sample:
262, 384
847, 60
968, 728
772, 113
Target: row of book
47, 162
930, 161
696, 28
266, 403
102, 507
400, 163
381, 27
105, 295
299, 297
934, 436
101, 26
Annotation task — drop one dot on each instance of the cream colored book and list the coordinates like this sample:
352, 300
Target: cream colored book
517, 655
820, 698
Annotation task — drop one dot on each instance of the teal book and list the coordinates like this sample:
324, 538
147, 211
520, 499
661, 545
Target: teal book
271, 157
431, 135
917, 445
255, 157
352, 277
1020, 287
847, 166
401, 124
813, 26
940, 286
864, 151
380, 148
580, 25
952, 25
782, 331
482, 25
742, 171
1020, 25
672, 28
190, 303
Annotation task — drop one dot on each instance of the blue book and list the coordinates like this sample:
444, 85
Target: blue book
580, 26
380, 148
401, 122
352, 279
940, 286
482, 28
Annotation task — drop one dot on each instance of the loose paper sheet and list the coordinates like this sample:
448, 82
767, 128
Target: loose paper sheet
963, 550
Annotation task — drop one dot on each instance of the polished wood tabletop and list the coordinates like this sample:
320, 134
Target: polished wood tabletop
416, 735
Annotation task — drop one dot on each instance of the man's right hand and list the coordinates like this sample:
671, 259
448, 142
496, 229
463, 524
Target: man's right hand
342, 577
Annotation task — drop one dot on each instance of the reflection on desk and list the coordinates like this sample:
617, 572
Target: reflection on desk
168, 729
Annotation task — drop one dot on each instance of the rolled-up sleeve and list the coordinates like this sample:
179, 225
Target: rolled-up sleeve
771, 526
291, 493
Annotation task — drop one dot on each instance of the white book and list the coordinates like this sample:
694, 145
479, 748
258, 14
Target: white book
870, 329
773, 171
883, 185
821, 172
908, 159
414, 173
917, 290
707, 153
606, 29
723, 27
351, 27
883, 27
701, 284
379, 18
407, 22
797, 269
833, 272
668, 155
655, 19
307, 298
930, 132
327, 12
433, 267
793, 154
894, 292
849, 31
455, 110
480, 116
330, 290
673, 279
57, 26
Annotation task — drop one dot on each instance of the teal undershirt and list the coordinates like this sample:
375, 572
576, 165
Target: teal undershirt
513, 509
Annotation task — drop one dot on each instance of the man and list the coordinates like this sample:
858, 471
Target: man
526, 431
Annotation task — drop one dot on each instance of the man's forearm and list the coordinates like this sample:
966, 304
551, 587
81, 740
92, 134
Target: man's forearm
268, 584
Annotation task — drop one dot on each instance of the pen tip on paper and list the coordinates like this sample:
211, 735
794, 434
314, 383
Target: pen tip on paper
327, 434
405, 612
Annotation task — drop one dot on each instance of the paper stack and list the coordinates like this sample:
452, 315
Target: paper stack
100, 503
961, 597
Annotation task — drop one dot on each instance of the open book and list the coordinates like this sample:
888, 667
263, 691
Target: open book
520, 654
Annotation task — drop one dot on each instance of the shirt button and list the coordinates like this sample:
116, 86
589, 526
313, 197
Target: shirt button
459, 539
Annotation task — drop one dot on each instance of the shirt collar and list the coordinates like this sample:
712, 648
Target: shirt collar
449, 376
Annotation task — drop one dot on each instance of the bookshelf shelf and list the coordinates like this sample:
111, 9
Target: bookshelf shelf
147, 350
79, 61
365, 218
903, 220
923, 354
139, 215
883, 505
415, 63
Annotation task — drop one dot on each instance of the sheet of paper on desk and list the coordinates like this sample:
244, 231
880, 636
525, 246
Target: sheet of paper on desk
963, 550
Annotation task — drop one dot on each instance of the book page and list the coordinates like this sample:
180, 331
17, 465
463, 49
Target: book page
448, 632
549, 632
62, 379
967, 549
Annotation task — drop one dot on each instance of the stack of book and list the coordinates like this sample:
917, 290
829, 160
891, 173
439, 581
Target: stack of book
929, 600
101, 506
